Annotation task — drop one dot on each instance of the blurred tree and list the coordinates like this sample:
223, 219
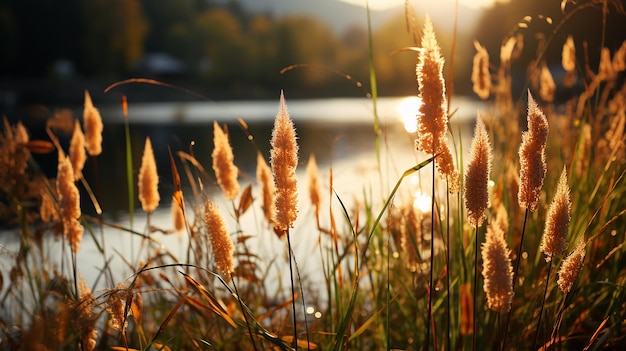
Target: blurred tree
115, 32
220, 37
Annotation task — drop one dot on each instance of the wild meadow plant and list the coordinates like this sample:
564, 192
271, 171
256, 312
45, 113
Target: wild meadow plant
466, 272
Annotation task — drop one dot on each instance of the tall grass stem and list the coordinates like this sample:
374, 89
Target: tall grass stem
543, 302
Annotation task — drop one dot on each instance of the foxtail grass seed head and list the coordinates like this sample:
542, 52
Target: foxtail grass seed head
93, 127
148, 179
225, 170
547, 87
86, 321
432, 118
481, 78
78, 153
568, 56
284, 160
265, 179
532, 154
554, 241
477, 176
221, 243
116, 307
47, 212
571, 267
314, 183
506, 51
497, 270
411, 239
69, 204
178, 212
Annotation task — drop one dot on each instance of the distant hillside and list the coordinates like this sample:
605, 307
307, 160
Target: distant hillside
338, 15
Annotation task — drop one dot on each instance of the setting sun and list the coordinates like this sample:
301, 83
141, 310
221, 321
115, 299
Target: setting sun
408, 110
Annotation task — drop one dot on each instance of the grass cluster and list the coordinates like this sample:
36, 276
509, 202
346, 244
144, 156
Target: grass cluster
522, 246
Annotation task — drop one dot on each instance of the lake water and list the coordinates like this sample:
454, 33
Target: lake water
339, 132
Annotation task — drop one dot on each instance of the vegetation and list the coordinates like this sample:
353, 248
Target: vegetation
522, 246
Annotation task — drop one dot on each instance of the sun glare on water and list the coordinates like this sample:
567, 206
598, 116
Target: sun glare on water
408, 109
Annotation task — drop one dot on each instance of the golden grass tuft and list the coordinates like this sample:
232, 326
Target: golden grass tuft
69, 204
284, 160
314, 184
571, 267
481, 78
432, 119
532, 154
225, 170
221, 243
497, 270
476, 183
78, 153
148, 182
265, 179
93, 127
554, 240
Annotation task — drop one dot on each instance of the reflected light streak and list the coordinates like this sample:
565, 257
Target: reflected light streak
408, 109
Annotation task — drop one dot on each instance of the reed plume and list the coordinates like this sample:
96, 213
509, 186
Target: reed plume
477, 176
532, 154
571, 267
284, 160
148, 179
314, 184
619, 58
118, 307
78, 153
221, 243
497, 270
93, 127
47, 212
225, 170
554, 242
432, 119
411, 239
481, 78
86, 321
69, 204
547, 87
264, 177
178, 211
568, 61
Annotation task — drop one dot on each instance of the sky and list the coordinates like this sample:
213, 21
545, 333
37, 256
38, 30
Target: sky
387, 4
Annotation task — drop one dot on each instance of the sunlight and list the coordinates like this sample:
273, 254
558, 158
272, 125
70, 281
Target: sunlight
422, 202
388, 4
408, 110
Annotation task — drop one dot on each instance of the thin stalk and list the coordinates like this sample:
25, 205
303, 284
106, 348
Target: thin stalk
306, 323
245, 314
475, 289
557, 323
293, 292
432, 261
388, 327
519, 258
543, 302
448, 247
373, 85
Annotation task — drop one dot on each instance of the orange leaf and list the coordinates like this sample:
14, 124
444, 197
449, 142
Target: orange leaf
39, 146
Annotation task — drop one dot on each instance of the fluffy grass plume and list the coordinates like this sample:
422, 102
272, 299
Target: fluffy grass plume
225, 170
432, 119
93, 127
148, 179
568, 61
481, 78
221, 244
265, 179
571, 267
78, 153
497, 270
554, 241
314, 183
284, 160
86, 321
178, 212
69, 204
477, 176
532, 154
547, 87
